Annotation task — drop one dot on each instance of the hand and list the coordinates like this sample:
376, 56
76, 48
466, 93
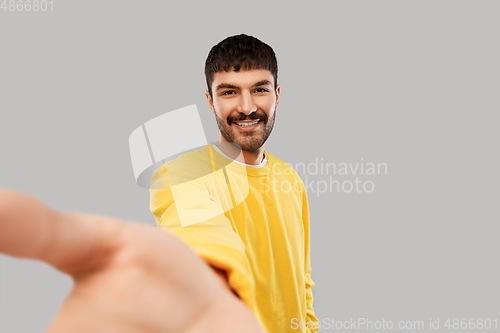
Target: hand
128, 278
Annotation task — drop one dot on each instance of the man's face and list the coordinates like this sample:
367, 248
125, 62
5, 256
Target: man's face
239, 100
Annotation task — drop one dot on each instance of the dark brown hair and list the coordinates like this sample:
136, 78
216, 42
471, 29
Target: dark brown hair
240, 52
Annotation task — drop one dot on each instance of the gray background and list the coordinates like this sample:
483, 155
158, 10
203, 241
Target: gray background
411, 84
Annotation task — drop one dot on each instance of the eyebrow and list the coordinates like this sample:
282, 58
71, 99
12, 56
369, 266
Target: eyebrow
231, 86
262, 83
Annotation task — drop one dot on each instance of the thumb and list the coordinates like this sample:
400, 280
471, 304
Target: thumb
71, 242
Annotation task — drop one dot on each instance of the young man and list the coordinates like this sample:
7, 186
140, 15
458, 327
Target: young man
131, 278
246, 215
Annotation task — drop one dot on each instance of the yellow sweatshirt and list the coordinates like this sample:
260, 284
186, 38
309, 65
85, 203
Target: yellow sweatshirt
252, 223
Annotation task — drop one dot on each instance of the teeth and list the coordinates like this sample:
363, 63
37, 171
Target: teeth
247, 124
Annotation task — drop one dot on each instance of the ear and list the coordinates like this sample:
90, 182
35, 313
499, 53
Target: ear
210, 101
278, 91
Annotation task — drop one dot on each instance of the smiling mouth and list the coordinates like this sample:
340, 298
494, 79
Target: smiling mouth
247, 126
247, 123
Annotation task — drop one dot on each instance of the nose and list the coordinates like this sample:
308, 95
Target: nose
247, 105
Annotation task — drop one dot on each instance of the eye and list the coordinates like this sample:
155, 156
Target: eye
261, 90
228, 92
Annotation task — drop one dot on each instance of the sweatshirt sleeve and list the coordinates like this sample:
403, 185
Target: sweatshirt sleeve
189, 211
310, 319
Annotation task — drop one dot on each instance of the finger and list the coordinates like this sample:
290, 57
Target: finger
71, 242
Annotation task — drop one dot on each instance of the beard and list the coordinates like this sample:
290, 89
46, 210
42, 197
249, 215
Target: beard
251, 140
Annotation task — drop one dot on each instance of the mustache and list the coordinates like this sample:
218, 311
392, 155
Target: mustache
242, 117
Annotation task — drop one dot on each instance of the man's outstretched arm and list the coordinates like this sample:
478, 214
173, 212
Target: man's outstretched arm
128, 277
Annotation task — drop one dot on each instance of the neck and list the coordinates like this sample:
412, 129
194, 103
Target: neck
253, 157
